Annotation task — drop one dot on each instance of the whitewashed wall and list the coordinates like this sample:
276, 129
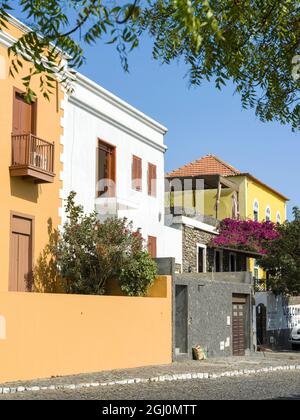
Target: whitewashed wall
280, 315
93, 113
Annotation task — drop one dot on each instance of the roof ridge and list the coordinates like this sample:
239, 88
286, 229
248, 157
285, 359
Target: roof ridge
237, 171
209, 155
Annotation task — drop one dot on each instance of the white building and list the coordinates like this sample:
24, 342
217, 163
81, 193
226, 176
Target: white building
114, 161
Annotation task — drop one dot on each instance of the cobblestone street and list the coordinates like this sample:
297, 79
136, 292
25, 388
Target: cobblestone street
264, 385
258, 387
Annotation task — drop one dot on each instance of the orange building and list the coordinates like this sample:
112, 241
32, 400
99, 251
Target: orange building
30, 166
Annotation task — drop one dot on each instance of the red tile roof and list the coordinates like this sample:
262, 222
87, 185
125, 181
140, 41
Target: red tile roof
207, 165
212, 165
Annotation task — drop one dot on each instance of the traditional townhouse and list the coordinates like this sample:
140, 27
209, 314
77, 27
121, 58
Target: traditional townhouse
29, 169
214, 190
114, 161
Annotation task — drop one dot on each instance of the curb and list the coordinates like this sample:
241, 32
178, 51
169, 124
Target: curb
162, 378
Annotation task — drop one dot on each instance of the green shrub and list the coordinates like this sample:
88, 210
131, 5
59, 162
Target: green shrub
138, 274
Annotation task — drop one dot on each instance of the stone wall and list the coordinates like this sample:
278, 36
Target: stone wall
192, 237
209, 316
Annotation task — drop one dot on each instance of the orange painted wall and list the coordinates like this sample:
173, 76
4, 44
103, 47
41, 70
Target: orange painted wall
46, 335
40, 201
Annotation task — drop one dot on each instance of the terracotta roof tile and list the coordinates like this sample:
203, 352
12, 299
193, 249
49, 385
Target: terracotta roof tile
207, 165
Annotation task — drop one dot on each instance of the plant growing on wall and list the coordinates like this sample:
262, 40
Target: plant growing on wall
246, 235
86, 254
282, 261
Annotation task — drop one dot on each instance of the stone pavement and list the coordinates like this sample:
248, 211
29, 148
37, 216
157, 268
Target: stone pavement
211, 368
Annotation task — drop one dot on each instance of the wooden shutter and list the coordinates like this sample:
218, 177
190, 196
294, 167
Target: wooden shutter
152, 246
152, 179
137, 173
23, 115
21, 254
106, 168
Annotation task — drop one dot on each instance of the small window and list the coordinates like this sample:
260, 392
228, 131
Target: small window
256, 211
137, 173
268, 214
152, 177
278, 217
201, 259
152, 246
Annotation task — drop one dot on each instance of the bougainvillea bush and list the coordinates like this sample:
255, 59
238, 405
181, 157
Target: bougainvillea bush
247, 235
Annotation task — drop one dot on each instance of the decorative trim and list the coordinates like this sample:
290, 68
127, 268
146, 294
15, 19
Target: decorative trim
18, 24
6, 40
119, 103
75, 101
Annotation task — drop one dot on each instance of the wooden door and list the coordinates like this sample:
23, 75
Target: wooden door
238, 329
21, 254
22, 115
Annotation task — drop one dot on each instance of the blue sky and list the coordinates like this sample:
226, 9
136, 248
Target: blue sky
200, 120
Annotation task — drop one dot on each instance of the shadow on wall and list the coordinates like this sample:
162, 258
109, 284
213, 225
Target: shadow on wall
26, 190
45, 273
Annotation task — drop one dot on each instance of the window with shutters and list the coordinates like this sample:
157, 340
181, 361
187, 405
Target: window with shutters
152, 245
106, 170
137, 175
152, 179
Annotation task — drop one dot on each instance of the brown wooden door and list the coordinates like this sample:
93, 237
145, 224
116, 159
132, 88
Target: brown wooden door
22, 115
238, 329
21, 254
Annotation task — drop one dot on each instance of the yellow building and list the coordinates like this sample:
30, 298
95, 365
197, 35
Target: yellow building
225, 192
30, 168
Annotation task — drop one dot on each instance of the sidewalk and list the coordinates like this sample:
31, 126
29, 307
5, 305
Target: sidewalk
209, 369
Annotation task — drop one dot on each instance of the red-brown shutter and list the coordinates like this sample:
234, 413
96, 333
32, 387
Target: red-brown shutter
152, 179
152, 246
136, 173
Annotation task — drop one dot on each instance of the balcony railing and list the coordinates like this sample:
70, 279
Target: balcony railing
32, 158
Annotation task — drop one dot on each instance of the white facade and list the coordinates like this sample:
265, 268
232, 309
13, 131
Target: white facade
93, 114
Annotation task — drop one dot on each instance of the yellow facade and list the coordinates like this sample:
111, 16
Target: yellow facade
40, 202
267, 200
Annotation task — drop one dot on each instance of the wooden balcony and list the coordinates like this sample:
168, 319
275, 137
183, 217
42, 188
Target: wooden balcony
32, 158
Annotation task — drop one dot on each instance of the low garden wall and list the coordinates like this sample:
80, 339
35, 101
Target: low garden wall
43, 335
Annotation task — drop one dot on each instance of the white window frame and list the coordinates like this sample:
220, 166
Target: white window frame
204, 247
222, 260
235, 262
268, 209
256, 208
278, 217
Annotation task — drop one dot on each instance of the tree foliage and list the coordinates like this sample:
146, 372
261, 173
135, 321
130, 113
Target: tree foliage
253, 43
282, 261
87, 254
